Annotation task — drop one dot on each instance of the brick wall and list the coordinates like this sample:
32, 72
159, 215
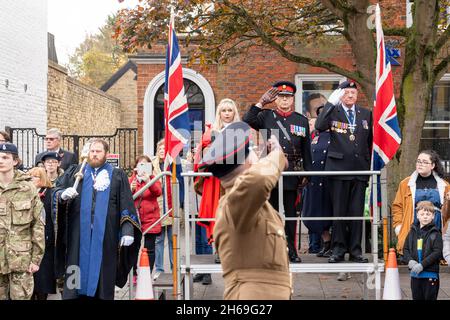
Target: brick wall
76, 108
23, 56
125, 90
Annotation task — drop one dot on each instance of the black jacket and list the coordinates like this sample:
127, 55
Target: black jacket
343, 153
297, 128
431, 247
67, 158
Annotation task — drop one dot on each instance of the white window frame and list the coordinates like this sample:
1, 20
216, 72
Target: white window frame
409, 17
300, 78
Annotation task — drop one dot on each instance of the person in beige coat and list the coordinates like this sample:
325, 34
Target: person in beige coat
249, 232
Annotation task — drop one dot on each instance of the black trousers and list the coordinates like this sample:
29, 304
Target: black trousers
424, 289
150, 245
289, 197
347, 197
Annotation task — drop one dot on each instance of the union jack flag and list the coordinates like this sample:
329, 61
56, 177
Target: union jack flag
176, 117
386, 130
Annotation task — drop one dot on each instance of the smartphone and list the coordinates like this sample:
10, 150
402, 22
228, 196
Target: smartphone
143, 168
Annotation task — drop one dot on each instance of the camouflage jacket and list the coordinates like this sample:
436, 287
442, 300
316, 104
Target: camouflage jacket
22, 221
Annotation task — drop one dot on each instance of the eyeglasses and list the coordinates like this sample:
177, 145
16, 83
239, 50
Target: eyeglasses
49, 139
422, 162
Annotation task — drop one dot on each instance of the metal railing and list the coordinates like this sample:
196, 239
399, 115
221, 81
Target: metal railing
375, 267
135, 196
30, 143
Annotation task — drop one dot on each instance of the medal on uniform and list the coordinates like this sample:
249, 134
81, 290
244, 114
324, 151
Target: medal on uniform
351, 126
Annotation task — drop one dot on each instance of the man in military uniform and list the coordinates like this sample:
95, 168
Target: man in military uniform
22, 240
349, 150
293, 132
248, 232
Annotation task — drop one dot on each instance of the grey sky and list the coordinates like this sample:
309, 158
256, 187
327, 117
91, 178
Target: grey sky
71, 20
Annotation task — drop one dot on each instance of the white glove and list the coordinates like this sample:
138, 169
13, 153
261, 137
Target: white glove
397, 229
412, 263
126, 241
336, 96
69, 193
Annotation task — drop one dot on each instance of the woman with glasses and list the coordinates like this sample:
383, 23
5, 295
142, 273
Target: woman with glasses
52, 163
45, 278
426, 183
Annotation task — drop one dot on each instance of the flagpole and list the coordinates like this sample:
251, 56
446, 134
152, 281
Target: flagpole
175, 193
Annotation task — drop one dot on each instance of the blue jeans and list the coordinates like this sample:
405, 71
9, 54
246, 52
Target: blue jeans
314, 242
159, 261
201, 242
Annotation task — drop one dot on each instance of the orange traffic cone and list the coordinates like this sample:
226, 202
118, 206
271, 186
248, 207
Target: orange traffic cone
392, 278
144, 287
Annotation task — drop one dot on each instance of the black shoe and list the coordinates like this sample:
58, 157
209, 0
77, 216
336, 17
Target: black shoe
335, 258
198, 277
325, 248
295, 259
207, 279
359, 259
216, 258
328, 254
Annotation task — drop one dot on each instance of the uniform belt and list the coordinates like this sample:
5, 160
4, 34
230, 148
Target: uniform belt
281, 278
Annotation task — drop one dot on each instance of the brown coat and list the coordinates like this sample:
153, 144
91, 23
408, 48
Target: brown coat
250, 236
403, 206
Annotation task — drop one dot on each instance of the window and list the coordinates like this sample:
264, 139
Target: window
409, 16
313, 89
436, 131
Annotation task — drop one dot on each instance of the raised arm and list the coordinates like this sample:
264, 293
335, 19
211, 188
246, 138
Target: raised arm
252, 189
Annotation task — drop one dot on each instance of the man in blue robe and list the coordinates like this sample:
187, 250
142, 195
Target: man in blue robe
99, 236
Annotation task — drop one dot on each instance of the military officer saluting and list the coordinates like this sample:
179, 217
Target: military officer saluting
294, 137
349, 150
22, 240
248, 232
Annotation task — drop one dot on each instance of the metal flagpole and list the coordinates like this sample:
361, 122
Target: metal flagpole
175, 230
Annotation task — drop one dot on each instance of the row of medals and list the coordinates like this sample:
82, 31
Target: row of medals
339, 130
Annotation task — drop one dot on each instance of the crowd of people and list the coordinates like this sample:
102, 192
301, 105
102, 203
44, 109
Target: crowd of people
76, 226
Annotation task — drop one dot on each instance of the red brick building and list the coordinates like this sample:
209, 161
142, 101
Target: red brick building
245, 79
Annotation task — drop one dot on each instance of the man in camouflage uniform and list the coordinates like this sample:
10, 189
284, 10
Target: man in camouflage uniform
22, 240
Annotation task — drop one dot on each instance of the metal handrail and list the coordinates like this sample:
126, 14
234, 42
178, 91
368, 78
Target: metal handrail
377, 267
135, 196
150, 183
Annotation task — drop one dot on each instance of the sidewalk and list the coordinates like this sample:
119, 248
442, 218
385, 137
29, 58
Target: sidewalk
312, 286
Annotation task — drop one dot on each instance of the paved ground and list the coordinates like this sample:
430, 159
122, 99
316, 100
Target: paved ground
311, 286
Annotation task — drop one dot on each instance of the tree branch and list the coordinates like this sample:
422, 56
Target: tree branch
288, 55
443, 39
440, 69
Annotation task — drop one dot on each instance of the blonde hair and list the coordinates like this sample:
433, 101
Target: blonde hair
425, 205
218, 123
42, 174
